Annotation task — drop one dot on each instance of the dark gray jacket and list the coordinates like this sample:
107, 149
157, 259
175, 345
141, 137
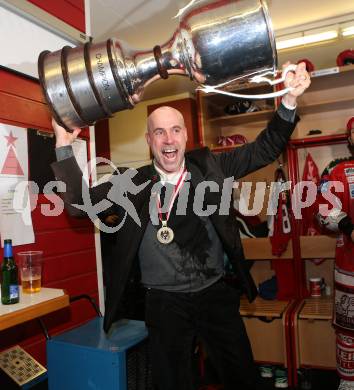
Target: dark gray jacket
203, 165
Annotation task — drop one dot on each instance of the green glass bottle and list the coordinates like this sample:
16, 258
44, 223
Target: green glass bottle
9, 284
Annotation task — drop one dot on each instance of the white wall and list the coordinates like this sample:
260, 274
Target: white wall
322, 56
21, 41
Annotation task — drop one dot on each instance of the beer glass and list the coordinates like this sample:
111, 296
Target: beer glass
30, 264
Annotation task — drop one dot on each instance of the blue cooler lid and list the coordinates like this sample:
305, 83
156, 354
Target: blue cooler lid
123, 334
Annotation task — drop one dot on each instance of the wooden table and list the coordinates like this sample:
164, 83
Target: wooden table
32, 306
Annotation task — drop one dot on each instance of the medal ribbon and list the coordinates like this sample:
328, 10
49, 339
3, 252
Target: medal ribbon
176, 190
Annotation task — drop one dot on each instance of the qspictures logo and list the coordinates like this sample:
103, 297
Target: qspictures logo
122, 190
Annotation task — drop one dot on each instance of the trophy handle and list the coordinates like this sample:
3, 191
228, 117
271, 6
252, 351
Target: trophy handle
262, 79
257, 79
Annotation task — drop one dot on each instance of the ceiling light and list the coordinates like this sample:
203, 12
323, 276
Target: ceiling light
290, 40
320, 35
347, 28
307, 37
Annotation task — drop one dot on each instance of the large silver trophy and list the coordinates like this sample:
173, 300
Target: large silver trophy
216, 43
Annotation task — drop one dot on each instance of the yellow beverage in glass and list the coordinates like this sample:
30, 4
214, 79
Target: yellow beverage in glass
31, 285
31, 271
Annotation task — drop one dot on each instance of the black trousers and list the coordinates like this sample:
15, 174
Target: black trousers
175, 319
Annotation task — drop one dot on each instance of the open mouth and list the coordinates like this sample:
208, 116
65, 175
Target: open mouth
170, 154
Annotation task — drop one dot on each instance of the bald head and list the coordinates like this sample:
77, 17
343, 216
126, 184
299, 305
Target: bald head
164, 112
167, 137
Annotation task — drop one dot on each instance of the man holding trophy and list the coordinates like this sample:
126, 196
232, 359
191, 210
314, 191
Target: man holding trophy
179, 256
165, 237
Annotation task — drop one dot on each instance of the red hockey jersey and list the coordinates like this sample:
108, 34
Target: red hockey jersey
336, 201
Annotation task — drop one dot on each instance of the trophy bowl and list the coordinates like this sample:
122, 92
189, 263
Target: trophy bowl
216, 43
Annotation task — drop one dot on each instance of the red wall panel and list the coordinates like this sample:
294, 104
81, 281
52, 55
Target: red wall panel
22, 103
27, 88
102, 139
69, 265
71, 12
68, 243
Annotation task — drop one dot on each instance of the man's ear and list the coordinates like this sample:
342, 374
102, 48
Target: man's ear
147, 137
